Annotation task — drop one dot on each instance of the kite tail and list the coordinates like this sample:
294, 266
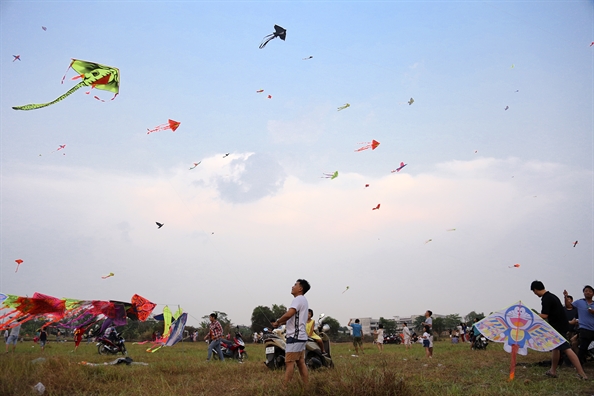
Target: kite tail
266, 40
39, 106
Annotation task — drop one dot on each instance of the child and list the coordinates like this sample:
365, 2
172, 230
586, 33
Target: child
379, 337
78, 335
309, 329
426, 336
42, 338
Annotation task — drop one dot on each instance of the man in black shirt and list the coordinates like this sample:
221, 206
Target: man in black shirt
554, 313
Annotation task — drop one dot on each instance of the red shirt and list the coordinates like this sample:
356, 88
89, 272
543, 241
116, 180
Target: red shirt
216, 330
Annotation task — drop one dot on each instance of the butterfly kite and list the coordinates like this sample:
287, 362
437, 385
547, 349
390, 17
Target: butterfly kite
196, 164
344, 106
411, 101
93, 75
108, 276
519, 328
159, 225
16, 57
575, 243
279, 32
330, 176
369, 145
514, 266
19, 262
173, 125
377, 207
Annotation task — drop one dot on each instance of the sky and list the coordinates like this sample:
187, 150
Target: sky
239, 230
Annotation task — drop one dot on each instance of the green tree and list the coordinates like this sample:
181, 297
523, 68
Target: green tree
389, 325
451, 321
261, 317
438, 325
278, 311
333, 323
472, 315
417, 324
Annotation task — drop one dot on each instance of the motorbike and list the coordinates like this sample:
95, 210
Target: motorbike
234, 348
275, 344
106, 345
480, 342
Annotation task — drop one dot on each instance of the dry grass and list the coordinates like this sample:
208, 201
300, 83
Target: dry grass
182, 370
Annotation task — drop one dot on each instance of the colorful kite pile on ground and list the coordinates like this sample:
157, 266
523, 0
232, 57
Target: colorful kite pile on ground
70, 312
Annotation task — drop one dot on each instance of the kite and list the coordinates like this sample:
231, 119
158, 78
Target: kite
19, 262
575, 243
173, 125
196, 164
402, 165
226, 155
44, 28
269, 96
519, 328
344, 106
61, 147
309, 57
512, 66
16, 57
108, 276
592, 43
506, 107
428, 240
369, 145
514, 266
411, 101
159, 225
367, 185
347, 288
475, 151
98, 76
330, 176
377, 207
278, 32
451, 229
260, 91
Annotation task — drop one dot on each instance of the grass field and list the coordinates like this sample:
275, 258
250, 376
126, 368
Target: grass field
182, 370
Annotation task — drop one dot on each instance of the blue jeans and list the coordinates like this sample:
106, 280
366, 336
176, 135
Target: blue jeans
216, 345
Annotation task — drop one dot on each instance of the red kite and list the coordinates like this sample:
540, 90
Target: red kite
173, 125
369, 145
377, 207
19, 262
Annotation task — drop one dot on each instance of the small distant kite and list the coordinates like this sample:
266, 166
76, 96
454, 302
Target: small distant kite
369, 145
506, 107
344, 106
575, 243
269, 96
367, 185
196, 164
19, 262
411, 101
44, 28
173, 125
451, 229
226, 155
260, 91
592, 43
159, 225
330, 176
514, 266
377, 207
108, 276
61, 147
309, 57
402, 165
512, 66
279, 32
93, 75
428, 240
16, 57
347, 288
475, 151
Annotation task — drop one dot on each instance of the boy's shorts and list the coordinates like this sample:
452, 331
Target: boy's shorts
357, 341
12, 340
295, 352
